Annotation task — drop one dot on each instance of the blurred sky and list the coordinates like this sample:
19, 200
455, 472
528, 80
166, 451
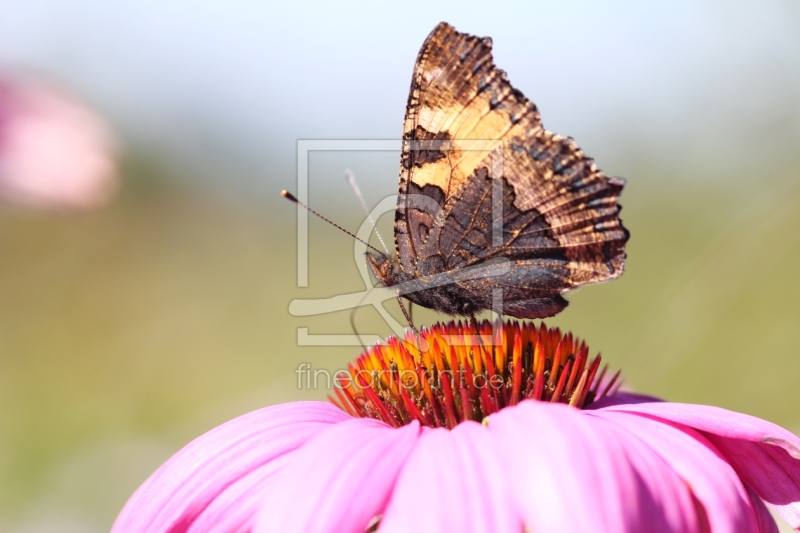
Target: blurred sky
127, 332
238, 82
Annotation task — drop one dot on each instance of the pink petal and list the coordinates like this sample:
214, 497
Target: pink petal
766, 524
712, 480
621, 398
765, 468
720, 422
339, 481
765, 456
218, 463
613, 482
453, 481
235, 508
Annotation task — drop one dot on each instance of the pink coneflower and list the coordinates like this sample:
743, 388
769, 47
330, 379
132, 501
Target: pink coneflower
54, 152
508, 431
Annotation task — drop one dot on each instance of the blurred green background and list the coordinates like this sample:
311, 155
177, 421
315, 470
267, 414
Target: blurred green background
127, 331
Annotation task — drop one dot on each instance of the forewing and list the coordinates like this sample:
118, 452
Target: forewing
460, 108
481, 178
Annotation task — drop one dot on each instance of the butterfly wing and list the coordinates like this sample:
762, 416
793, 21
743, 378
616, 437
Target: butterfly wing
460, 108
559, 225
480, 178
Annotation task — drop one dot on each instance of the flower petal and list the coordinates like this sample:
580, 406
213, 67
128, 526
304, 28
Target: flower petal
766, 524
767, 470
255, 444
765, 456
722, 422
339, 481
235, 507
570, 472
712, 480
453, 481
621, 398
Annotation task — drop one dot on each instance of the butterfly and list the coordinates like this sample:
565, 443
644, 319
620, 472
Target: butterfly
483, 184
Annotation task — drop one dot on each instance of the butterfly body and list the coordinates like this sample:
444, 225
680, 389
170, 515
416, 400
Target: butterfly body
484, 186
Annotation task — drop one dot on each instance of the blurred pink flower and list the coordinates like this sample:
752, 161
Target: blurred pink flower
622, 463
54, 152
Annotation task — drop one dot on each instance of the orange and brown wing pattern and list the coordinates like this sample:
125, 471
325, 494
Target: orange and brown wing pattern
474, 153
460, 108
550, 176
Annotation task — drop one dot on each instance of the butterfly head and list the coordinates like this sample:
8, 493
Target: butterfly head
385, 269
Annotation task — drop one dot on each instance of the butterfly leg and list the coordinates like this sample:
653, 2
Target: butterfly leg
474, 320
476, 327
353, 318
405, 313
410, 322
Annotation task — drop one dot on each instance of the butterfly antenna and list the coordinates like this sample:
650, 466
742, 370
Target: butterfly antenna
351, 179
289, 196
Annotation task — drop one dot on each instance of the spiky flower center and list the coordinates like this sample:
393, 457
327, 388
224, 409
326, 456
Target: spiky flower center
454, 372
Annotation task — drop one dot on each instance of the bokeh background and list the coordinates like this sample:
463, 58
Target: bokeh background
127, 329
